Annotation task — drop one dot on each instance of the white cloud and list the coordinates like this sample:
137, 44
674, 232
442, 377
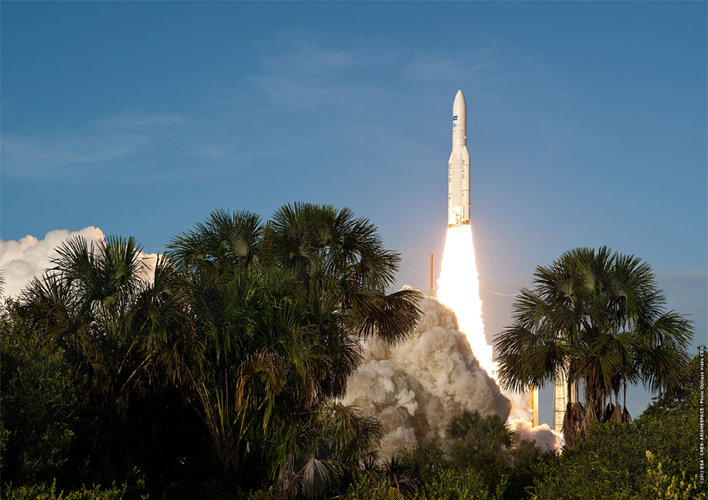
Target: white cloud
22, 260
30, 257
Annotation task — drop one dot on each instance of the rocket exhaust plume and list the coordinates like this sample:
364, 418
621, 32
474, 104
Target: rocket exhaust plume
458, 289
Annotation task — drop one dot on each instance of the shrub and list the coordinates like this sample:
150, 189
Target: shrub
453, 485
49, 492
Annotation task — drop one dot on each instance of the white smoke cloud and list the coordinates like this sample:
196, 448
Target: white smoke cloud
30, 257
545, 437
520, 405
520, 419
416, 388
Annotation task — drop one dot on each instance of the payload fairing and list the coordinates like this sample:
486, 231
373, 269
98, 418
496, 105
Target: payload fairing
458, 175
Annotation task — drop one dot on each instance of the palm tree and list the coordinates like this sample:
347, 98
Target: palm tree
99, 307
323, 243
599, 316
86, 305
325, 445
252, 328
277, 311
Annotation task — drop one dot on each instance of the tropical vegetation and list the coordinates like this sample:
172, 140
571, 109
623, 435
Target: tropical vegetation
599, 318
217, 372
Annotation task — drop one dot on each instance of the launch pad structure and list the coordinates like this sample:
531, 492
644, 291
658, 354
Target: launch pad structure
560, 401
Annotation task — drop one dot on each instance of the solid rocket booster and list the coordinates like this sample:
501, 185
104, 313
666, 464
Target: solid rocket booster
458, 172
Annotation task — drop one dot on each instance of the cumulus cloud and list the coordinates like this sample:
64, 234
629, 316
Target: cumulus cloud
415, 388
22, 260
30, 257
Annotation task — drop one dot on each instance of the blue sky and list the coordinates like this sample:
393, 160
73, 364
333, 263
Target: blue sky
587, 125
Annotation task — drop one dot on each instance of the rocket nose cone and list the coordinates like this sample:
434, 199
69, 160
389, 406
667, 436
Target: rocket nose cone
459, 103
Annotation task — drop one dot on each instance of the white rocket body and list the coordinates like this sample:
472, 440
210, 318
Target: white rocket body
458, 176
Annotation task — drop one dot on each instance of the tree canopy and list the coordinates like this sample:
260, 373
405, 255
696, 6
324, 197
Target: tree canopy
248, 330
216, 372
599, 317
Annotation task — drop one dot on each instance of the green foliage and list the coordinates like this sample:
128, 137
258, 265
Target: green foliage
280, 309
224, 363
455, 484
673, 436
266, 494
480, 444
483, 450
486, 445
363, 487
660, 485
51, 492
608, 463
670, 426
219, 375
529, 464
600, 317
444, 484
39, 399
96, 317
654, 457
488, 432
425, 462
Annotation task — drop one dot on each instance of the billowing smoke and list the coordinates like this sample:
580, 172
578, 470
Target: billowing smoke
416, 387
520, 419
30, 257
545, 437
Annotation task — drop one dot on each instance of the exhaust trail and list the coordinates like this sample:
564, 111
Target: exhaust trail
458, 289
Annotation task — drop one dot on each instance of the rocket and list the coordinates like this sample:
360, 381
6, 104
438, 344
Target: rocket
458, 171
